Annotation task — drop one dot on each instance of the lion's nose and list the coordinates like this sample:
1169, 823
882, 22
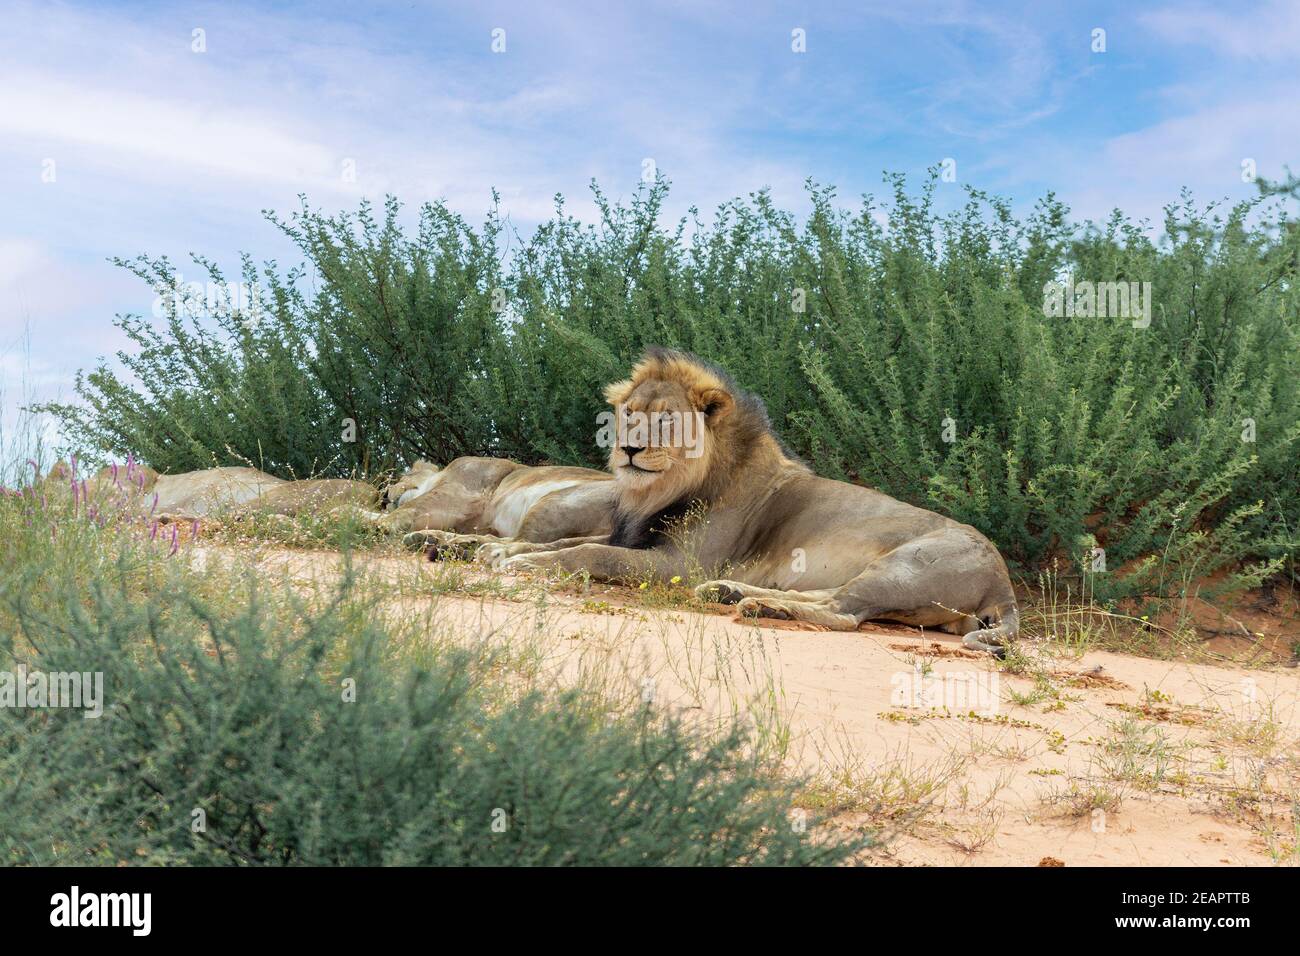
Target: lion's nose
631, 452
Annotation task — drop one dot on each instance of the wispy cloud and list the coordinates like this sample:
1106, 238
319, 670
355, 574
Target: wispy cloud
153, 136
1269, 31
161, 149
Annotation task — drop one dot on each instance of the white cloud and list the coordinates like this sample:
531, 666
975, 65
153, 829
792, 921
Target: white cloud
280, 101
1140, 172
17, 258
161, 150
37, 286
160, 135
1270, 31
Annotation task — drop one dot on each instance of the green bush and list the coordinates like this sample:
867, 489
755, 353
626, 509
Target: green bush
227, 696
894, 346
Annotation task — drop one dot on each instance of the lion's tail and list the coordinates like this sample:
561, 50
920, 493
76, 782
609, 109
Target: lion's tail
993, 639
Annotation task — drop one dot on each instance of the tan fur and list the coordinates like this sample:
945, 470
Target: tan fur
454, 502
229, 491
793, 545
211, 491
477, 501
192, 494
111, 486
138, 478
408, 481
317, 496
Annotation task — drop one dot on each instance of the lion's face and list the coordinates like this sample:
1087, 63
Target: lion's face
664, 440
410, 485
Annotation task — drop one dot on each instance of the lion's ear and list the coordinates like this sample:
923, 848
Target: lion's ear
616, 393
714, 402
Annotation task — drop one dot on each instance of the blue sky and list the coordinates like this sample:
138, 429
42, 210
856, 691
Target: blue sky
162, 150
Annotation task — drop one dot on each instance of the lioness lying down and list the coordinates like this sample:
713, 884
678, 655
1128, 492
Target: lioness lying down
474, 501
798, 546
191, 494
232, 492
315, 496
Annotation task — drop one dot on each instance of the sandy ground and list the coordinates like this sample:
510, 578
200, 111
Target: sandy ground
1103, 759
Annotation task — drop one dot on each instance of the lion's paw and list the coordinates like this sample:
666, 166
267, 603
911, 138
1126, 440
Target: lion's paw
720, 592
491, 555
536, 561
758, 607
419, 540
987, 641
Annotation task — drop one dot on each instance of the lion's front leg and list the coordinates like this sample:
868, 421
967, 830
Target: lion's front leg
793, 606
602, 561
446, 544
496, 554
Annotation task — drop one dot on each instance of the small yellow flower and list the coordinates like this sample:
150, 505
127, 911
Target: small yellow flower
644, 585
677, 579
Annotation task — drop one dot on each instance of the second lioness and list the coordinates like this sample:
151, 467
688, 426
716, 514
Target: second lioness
474, 501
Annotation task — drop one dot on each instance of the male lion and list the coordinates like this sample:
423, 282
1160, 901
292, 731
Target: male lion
799, 546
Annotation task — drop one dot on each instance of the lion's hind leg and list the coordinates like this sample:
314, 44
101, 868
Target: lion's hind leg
937, 580
1003, 624
972, 633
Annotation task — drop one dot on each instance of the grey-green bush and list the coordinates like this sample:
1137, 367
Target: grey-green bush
893, 346
243, 725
